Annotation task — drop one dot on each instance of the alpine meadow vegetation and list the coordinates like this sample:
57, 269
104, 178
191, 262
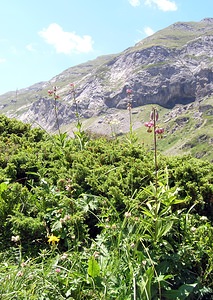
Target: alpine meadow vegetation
99, 218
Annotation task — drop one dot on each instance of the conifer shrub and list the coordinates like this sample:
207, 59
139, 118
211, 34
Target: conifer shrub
90, 220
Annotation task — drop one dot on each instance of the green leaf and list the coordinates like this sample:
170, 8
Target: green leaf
56, 226
145, 284
93, 267
166, 228
182, 293
3, 187
148, 213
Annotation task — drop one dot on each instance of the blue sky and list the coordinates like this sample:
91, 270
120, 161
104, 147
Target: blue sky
39, 39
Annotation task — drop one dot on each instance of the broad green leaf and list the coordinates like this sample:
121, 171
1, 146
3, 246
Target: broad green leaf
3, 187
182, 293
93, 267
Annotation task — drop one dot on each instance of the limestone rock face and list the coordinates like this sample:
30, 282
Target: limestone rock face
173, 66
156, 75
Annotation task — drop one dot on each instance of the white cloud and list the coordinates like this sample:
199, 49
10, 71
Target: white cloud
134, 2
66, 42
2, 60
148, 31
14, 50
30, 48
165, 5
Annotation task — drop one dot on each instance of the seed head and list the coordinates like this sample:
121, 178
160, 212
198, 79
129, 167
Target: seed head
127, 214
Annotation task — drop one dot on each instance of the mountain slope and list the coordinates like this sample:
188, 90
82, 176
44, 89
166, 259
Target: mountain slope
172, 68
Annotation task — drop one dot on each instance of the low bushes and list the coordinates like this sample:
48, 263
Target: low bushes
88, 221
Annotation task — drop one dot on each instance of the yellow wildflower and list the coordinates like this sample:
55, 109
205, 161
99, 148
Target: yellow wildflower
53, 239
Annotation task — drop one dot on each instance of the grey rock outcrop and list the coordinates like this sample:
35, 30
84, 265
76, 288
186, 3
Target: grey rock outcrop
173, 66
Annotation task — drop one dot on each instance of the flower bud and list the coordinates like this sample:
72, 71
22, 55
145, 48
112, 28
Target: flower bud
154, 114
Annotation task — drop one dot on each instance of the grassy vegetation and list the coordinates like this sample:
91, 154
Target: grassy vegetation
175, 36
85, 218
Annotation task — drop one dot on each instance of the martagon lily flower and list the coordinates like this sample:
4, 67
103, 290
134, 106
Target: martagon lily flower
53, 93
160, 132
50, 92
129, 91
149, 124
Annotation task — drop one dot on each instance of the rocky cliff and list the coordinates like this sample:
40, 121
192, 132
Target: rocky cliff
173, 66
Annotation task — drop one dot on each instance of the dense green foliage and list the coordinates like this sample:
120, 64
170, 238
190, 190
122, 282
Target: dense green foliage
120, 235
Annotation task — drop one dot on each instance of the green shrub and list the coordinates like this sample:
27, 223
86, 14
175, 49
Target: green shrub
121, 234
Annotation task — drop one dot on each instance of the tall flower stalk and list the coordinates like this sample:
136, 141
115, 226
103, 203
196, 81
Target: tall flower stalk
80, 134
129, 107
53, 93
62, 136
73, 94
157, 131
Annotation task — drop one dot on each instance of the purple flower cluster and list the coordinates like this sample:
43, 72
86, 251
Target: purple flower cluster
53, 93
152, 124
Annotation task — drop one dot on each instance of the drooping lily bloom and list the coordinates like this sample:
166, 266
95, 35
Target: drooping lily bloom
159, 130
50, 92
149, 124
129, 91
53, 93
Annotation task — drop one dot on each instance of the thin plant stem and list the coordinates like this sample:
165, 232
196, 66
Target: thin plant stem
76, 104
53, 93
130, 119
56, 116
134, 287
155, 150
129, 107
152, 263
